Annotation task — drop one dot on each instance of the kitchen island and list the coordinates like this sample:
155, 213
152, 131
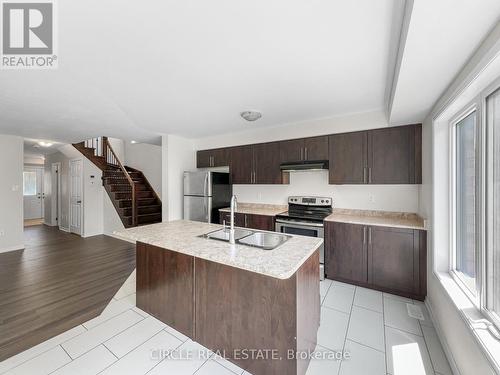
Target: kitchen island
256, 307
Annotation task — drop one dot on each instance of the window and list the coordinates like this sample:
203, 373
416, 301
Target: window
29, 183
475, 254
493, 206
464, 264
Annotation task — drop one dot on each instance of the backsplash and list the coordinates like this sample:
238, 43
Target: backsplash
399, 198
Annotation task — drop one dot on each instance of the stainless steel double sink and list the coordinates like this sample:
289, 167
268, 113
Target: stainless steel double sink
261, 240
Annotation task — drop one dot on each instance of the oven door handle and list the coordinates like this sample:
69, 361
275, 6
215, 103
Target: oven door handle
315, 225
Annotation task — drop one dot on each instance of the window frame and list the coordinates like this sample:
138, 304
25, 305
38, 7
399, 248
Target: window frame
473, 295
487, 165
481, 296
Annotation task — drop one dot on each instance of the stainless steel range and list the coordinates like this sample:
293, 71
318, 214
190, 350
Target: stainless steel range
305, 217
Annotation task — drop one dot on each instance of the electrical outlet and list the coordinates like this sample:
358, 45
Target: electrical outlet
371, 198
2, 233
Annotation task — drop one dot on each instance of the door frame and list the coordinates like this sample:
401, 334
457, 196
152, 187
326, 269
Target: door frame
55, 204
71, 194
37, 168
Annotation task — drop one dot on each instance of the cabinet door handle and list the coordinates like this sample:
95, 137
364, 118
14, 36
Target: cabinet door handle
301, 153
305, 153
364, 235
370, 175
370, 236
246, 221
364, 175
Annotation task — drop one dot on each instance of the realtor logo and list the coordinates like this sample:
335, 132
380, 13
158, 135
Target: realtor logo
28, 35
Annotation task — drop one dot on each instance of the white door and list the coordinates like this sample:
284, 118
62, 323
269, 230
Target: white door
75, 219
33, 192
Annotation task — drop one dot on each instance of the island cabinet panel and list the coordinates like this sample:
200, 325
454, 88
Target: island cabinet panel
346, 252
165, 279
240, 310
348, 158
388, 259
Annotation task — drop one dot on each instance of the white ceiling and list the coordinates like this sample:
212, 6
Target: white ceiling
442, 36
136, 70
32, 148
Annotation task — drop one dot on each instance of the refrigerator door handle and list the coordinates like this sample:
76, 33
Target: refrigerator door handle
205, 185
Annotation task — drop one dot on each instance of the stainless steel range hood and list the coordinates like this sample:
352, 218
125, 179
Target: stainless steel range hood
304, 165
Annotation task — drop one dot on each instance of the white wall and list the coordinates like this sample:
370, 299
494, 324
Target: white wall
461, 346
118, 147
92, 199
146, 158
373, 197
110, 219
370, 197
360, 121
11, 193
178, 155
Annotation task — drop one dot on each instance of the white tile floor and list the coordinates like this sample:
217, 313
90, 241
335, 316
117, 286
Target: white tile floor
373, 328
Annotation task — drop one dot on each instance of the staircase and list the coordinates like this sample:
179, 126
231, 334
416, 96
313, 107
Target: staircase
131, 193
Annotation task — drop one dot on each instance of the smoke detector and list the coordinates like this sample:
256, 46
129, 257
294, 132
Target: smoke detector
251, 115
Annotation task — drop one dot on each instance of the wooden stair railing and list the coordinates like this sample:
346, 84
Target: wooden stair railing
112, 159
133, 197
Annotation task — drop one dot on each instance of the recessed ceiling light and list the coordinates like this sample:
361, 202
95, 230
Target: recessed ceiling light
133, 142
45, 144
251, 115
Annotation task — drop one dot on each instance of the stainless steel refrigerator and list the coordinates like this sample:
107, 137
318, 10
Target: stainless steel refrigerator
204, 194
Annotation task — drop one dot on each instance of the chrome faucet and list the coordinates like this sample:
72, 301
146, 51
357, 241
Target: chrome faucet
234, 207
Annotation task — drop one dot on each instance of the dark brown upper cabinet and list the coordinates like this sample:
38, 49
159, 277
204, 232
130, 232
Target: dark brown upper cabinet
382, 156
394, 155
316, 148
241, 165
218, 157
304, 149
348, 162
256, 164
267, 163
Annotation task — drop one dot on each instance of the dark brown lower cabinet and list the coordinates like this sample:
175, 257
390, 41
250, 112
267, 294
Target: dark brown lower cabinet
346, 257
233, 311
383, 258
251, 221
397, 260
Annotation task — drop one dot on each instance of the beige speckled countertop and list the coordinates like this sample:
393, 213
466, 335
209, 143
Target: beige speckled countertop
378, 218
258, 209
182, 236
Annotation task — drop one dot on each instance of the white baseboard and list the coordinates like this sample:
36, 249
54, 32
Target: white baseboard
11, 248
64, 229
49, 224
442, 339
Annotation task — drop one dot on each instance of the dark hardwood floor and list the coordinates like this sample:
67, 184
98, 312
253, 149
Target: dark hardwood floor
58, 282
